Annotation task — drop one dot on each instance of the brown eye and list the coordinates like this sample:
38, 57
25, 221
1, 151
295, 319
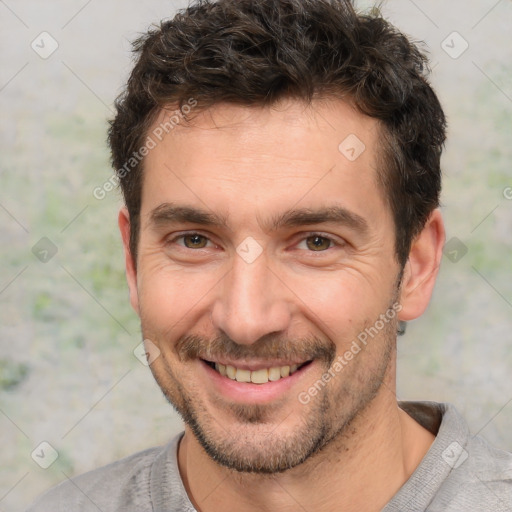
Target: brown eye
318, 243
195, 241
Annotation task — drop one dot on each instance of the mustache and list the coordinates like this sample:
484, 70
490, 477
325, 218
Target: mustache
192, 346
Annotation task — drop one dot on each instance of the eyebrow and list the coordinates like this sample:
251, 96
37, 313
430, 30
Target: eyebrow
168, 213
327, 215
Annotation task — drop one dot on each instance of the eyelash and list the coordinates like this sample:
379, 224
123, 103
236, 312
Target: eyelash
191, 233
333, 241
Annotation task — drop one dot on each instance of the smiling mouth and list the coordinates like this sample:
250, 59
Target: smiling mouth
261, 376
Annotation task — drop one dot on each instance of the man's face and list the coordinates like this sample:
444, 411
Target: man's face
264, 246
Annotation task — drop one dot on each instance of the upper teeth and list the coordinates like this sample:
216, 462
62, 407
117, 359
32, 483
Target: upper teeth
257, 376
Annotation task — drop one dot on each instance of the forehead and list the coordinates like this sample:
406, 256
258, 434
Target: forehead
252, 160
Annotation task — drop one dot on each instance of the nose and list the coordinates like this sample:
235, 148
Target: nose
251, 302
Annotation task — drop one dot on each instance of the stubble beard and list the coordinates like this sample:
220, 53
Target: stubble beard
256, 444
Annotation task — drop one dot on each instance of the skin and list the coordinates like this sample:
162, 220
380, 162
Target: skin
350, 447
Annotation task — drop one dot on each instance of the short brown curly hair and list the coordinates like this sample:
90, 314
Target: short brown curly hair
257, 52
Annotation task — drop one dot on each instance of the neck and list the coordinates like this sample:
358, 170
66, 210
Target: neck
360, 470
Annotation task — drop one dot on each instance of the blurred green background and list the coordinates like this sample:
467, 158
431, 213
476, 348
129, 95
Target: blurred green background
68, 374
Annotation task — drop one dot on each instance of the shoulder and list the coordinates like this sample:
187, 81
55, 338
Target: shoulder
122, 485
460, 472
482, 481
480, 478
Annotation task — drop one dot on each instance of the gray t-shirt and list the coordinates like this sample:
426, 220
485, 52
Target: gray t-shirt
459, 473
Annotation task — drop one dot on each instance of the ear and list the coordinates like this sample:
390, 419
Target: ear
131, 272
421, 269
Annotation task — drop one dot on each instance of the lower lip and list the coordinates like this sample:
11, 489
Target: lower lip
244, 392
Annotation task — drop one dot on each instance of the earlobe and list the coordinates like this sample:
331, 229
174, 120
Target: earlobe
422, 267
131, 272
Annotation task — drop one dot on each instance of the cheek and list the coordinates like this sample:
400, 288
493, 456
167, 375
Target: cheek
339, 301
171, 296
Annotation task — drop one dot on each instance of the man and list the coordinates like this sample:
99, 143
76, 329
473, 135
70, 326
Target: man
280, 164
